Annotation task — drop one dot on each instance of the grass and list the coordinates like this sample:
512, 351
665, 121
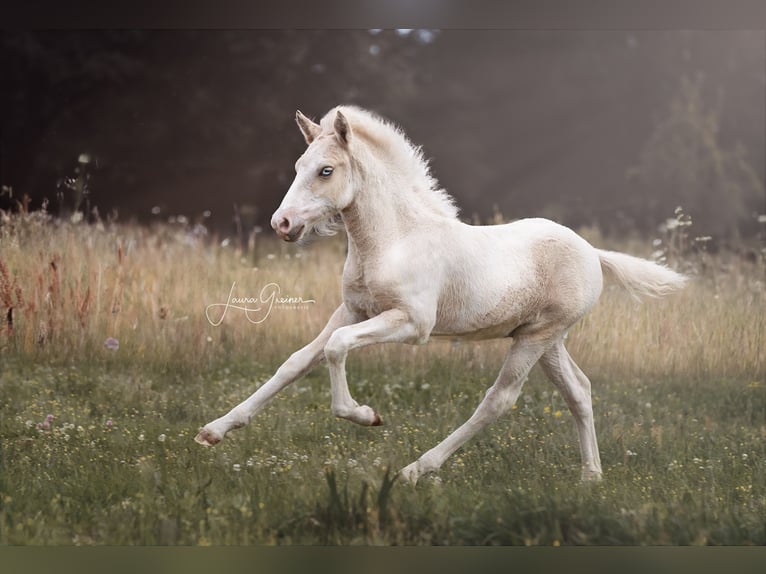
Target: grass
679, 394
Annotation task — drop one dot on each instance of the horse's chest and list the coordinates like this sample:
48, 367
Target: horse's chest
365, 295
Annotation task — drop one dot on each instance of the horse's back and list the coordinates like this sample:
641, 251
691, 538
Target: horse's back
528, 272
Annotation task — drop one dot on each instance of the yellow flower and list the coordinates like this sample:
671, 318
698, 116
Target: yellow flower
546, 410
557, 414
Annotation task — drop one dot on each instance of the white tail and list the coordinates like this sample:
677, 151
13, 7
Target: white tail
640, 276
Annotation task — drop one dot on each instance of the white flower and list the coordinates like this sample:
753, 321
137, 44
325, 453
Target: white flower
141, 437
236, 467
161, 438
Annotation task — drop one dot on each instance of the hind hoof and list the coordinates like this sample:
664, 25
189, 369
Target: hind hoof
377, 421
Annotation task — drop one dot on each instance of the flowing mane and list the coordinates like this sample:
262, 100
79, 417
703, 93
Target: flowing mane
388, 139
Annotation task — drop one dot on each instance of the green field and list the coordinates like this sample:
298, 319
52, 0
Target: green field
678, 386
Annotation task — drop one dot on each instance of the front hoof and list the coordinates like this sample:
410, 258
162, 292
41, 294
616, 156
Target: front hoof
207, 438
377, 421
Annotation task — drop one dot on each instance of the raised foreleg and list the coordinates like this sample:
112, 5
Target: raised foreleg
388, 327
299, 363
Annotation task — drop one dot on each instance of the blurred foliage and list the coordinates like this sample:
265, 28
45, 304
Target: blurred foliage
535, 122
685, 163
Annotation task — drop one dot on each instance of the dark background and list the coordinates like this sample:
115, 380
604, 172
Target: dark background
613, 128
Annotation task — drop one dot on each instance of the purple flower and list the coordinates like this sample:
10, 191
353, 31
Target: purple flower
109, 423
46, 424
112, 344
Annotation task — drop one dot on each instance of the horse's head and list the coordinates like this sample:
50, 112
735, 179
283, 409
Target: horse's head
323, 179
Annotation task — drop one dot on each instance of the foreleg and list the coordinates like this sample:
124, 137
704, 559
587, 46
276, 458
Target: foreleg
295, 367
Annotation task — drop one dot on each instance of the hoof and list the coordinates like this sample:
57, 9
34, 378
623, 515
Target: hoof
591, 477
377, 421
409, 474
206, 438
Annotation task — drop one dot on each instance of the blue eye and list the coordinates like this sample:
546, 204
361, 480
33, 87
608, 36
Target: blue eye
326, 171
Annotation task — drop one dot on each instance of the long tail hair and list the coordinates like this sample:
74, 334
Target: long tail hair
640, 276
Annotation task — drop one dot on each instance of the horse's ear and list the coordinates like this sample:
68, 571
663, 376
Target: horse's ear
342, 129
309, 129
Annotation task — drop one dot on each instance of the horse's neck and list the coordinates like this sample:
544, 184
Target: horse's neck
378, 216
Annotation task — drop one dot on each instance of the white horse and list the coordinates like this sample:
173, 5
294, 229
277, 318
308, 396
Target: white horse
415, 271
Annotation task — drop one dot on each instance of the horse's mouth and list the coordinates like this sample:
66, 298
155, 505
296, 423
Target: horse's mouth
294, 235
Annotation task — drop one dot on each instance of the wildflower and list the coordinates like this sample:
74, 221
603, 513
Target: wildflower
141, 437
631, 453
112, 344
547, 410
109, 423
557, 414
161, 438
46, 424
236, 467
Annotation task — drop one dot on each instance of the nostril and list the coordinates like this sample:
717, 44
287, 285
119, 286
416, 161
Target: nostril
284, 224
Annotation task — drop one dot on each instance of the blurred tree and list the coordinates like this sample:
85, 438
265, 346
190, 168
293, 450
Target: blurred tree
184, 119
684, 163
535, 122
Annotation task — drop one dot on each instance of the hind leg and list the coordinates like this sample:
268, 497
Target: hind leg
499, 398
574, 386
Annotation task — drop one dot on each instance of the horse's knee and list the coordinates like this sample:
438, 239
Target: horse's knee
336, 348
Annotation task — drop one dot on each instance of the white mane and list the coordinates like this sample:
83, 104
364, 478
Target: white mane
388, 139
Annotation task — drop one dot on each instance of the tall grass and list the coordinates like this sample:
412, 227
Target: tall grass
678, 391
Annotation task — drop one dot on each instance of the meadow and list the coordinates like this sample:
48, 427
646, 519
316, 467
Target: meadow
109, 365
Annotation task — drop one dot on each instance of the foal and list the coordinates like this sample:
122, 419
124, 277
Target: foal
415, 271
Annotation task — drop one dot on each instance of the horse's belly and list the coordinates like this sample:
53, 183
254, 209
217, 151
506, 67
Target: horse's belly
498, 331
